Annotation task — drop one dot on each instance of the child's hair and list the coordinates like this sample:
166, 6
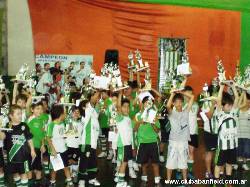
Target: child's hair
248, 96
74, 108
227, 99
56, 111
21, 97
13, 108
34, 105
188, 88
81, 106
125, 101
115, 94
145, 99
178, 96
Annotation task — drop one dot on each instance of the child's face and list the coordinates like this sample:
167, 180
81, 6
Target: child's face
76, 114
227, 107
21, 103
37, 110
125, 109
16, 117
95, 98
178, 104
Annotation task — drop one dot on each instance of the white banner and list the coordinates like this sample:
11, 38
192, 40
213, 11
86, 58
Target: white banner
65, 60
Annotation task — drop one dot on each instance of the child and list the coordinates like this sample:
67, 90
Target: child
74, 127
91, 130
244, 131
57, 143
36, 126
24, 102
227, 132
193, 127
148, 149
18, 143
179, 133
125, 138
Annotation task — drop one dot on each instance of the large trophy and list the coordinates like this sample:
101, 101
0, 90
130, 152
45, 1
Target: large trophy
71, 130
148, 84
113, 115
184, 68
140, 66
21, 74
4, 119
3, 89
239, 79
64, 100
222, 74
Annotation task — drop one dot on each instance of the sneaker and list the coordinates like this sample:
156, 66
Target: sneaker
94, 182
122, 184
245, 167
235, 166
157, 180
81, 183
190, 176
102, 155
209, 175
178, 175
132, 173
136, 166
161, 158
144, 178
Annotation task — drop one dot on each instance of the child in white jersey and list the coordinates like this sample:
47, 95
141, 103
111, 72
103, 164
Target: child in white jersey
74, 127
125, 139
179, 134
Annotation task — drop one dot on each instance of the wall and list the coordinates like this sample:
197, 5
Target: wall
91, 27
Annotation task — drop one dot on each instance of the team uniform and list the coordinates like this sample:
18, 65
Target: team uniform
56, 132
73, 142
210, 127
125, 138
148, 148
178, 140
91, 130
18, 150
227, 137
36, 127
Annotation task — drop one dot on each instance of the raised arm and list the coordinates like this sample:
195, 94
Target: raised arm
14, 93
191, 99
220, 95
236, 96
119, 104
170, 102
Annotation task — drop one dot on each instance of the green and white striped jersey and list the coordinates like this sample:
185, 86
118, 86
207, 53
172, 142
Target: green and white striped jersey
227, 131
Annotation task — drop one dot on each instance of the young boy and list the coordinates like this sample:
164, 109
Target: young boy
18, 142
227, 132
125, 139
193, 127
147, 134
57, 143
91, 130
74, 127
179, 134
36, 126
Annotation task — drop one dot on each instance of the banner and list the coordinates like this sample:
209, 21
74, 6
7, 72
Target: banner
65, 60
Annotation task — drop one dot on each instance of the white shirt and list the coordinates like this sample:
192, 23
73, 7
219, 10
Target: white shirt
74, 141
41, 87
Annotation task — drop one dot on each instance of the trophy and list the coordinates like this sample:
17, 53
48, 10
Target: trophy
21, 74
238, 79
71, 130
177, 84
222, 74
131, 64
2, 86
4, 119
113, 116
205, 94
64, 100
140, 66
148, 85
184, 68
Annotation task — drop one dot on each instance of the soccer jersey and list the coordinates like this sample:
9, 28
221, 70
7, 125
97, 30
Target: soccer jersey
55, 131
76, 127
227, 131
91, 128
179, 122
16, 142
36, 127
146, 133
125, 130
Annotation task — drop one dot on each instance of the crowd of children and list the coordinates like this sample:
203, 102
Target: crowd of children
114, 124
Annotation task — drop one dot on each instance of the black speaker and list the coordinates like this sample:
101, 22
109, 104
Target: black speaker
112, 55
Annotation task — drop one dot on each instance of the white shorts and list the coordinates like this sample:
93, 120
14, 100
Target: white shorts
177, 155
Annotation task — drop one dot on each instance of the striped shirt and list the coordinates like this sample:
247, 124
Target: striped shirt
227, 131
244, 124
